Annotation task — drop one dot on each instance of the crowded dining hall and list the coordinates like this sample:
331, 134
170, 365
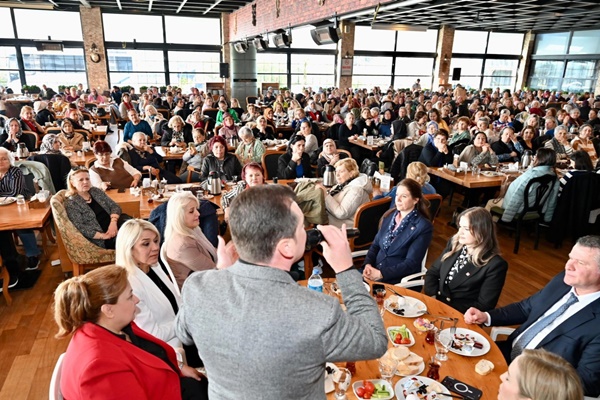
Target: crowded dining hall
384, 200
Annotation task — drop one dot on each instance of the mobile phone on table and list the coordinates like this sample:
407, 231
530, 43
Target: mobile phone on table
467, 391
377, 286
121, 190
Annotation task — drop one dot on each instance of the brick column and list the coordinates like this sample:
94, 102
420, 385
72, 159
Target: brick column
345, 50
444, 55
225, 50
526, 52
91, 26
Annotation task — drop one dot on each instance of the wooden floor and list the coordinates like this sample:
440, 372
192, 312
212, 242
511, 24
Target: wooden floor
28, 349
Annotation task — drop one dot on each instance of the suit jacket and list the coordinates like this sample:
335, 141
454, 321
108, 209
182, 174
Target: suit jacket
472, 286
100, 365
577, 339
186, 255
405, 255
156, 315
274, 334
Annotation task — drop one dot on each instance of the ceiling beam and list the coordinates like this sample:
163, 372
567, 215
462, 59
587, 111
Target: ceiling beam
85, 3
119, 4
211, 7
181, 6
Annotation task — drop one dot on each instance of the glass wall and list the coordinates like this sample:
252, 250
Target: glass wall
54, 68
567, 61
313, 70
272, 67
41, 24
193, 68
9, 70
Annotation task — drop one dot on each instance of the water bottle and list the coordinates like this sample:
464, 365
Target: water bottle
315, 282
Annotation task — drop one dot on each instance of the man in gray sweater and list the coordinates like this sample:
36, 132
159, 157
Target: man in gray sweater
260, 334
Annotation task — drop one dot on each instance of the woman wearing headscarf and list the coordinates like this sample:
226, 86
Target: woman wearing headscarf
51, 156
70, 140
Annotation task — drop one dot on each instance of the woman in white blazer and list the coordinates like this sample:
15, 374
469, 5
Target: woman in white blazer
137, 249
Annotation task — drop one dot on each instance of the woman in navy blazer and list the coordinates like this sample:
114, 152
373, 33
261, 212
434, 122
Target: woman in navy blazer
470, 272
403, 238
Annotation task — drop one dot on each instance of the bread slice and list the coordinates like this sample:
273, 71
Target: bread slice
484, 367
399, 353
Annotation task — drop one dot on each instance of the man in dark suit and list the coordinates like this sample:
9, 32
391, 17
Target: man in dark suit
561, 318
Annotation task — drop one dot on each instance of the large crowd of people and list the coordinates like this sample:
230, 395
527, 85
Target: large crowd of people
138, 309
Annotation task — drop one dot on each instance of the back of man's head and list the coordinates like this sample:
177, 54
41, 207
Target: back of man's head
259, 218
591, 242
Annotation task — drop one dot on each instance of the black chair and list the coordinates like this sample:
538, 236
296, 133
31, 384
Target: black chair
542, 186
409, 154
270, 162
459, 146
367, 219
59, 167
251, 100
239, 111
211, 113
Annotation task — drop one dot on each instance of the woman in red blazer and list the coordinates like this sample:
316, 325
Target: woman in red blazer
109, 357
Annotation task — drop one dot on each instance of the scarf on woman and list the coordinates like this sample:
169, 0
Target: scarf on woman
31, 125
128, 106
557, 147
392, 233
339, 187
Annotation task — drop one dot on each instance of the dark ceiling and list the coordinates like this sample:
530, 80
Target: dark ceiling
496, 15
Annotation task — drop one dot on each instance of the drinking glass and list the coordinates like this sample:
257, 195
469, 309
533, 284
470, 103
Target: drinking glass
443, 340
344, 379
387, 368
380, 299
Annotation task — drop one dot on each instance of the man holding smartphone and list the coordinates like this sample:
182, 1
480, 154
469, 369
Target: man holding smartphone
259, 333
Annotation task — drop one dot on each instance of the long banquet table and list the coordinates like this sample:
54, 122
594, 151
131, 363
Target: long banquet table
468, 180
460, 367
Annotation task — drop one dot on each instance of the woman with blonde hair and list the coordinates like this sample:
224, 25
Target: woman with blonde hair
109, 355
154, 119
540, 375
416, 171
470, 272
177, 133
187, 249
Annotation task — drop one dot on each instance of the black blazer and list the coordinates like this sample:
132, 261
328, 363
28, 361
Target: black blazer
577, 339
478, 287
287, 168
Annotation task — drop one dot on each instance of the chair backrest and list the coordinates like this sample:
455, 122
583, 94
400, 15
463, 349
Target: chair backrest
459, 146
54, 393
239, 111
435, 202
542, 186
164, 112
89, 163
270, 162
409, 154
31, 140
251, 100
163, 257
366, 220
211, 112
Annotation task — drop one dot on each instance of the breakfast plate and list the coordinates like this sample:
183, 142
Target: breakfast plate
405, 306
420, 386
392, 331
469, 343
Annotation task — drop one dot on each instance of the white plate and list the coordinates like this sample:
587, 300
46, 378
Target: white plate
410, 336
330, 378
490, 174
399, 388
4, 201
358, 384
421, 369
412, 307
478, 338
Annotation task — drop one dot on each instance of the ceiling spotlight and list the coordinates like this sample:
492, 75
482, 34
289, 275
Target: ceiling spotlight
260, 43
240, 47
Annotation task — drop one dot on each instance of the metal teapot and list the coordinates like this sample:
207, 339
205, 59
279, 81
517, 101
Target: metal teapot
329, 176
22, 151
214, 183
526, 159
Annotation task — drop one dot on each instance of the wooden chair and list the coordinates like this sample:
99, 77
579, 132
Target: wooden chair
270, 162
5, 279
81, 252
211, 113
89, 163
367, 220
165, 113
531, 212
435, 203
31, 139
191, 170
131, 208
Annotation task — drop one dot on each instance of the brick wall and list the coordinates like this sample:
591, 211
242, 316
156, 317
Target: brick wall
292, 12
442, 61
91, 25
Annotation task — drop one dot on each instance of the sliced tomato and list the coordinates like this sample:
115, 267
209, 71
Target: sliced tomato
369, 387
360, 392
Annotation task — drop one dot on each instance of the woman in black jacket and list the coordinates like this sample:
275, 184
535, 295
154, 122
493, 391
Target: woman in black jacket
437, 154
295, 163
220, 160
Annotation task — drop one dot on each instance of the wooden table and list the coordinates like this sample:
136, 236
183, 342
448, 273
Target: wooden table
170, 156
81, 160
467, 179
15, 216
377, 144
460, 367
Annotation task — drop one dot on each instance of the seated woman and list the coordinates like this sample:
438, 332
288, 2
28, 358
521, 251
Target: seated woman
543, 164
28, 122
219, 159
583, 141
403, 238
229, 129
177, 133
526, 142
51, 156
110, 172
479, 153
187, 248
437, 154
262, 130
329, 156
506, 147
311, 141
250, 115
385, 127
294, 163
281, 117
108, 353
366, 124
154, 119
560, 144
42, 114
93, 213
13, 135
351, 191
146, 160
581, 163
69, 139
250, 149
125, 105
196, 120
12, 183
194, 155
470, 272
540, 375
94, 97
416, 171
253, 174
418, 127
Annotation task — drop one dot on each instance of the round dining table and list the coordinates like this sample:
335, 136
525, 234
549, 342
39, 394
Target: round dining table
458, 366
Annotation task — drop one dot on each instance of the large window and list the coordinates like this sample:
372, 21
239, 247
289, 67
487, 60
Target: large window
585, 42
470, 42
312, 70
371, 71
409, 69
193, 68
127, 27
41, 24
366, 38
417, 41
546, 74
500, 73
551, 43
9, 70
6, 29
579, 76
505, 43
54, 68
192, 30
136, 67
272, 68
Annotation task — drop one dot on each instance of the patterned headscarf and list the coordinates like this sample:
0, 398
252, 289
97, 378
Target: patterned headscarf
47, 146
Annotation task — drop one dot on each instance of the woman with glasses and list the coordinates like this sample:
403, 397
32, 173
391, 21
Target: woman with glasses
110, 172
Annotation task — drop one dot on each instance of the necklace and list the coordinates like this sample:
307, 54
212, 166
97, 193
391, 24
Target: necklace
87, 200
